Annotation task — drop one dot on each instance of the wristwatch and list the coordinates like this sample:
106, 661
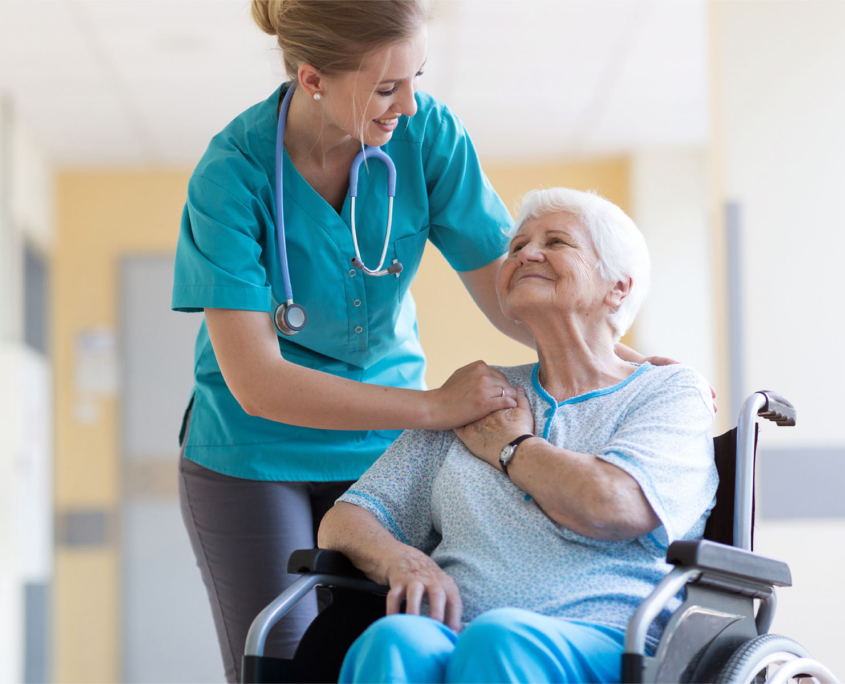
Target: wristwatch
508, 451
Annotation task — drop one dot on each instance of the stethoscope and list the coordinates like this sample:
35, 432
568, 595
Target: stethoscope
289, 317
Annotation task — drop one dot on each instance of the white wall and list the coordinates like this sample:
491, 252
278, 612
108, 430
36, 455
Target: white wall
26, 493
669, 204
10, 596
26, 512
33, 196
811, 610
782, 108
784, 162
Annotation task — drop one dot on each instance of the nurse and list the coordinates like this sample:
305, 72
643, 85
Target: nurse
278, 427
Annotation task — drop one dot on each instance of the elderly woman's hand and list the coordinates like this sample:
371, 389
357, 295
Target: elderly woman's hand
413, 576
486, 437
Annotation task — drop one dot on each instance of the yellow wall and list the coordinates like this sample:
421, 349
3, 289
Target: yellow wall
104, 216
452, 330
100, 218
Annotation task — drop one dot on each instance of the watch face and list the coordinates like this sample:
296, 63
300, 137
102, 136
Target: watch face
506, 453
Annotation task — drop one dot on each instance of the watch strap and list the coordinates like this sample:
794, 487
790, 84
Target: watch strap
514, 444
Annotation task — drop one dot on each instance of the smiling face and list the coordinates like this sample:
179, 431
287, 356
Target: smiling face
367, 104
551, 269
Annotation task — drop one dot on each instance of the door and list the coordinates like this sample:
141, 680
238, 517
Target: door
168, 633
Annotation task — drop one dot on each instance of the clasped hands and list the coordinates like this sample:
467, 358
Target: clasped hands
486, 437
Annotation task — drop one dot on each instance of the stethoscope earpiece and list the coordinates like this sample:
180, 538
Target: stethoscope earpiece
290, 318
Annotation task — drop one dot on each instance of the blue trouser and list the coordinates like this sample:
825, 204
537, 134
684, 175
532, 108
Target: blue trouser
502, 645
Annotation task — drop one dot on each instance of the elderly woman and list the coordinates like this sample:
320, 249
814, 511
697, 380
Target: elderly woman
523, 543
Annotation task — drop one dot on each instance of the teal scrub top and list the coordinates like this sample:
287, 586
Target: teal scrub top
359, 327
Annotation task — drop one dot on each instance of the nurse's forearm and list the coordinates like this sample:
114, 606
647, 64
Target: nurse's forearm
268, 386
627, 354
481, 285
291, 394
515, 331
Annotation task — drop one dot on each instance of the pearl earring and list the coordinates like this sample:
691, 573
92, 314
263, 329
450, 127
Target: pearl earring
316, 96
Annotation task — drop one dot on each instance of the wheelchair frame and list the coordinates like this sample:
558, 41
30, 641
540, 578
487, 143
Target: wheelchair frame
715, 635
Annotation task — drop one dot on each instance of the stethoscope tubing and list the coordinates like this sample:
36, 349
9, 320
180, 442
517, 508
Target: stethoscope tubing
377, 271
280, 213
282, 316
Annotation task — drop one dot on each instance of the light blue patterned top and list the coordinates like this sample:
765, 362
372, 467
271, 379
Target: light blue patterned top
430, 492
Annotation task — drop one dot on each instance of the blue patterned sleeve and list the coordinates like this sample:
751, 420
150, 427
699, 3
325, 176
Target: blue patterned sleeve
664, 442
396, 489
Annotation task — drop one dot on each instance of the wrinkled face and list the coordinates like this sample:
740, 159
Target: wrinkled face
551, 267
367, 104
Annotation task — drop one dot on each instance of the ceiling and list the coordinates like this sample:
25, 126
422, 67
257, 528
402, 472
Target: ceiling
149, 82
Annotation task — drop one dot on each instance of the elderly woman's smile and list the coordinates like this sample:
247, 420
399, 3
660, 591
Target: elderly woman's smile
551, 262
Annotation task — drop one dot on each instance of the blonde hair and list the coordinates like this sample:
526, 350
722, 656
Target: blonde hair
335, 36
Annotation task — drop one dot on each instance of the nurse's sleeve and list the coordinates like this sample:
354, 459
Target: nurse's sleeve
665, 444
218, 256
397, 487
467, 219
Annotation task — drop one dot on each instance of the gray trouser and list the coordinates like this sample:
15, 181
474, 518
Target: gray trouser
242, 533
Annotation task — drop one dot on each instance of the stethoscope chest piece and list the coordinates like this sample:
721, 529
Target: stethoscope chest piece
290, 318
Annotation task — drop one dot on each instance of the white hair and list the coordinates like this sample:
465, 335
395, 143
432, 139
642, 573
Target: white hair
619, 244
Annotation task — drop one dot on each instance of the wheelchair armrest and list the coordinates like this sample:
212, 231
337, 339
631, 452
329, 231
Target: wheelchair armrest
322, 562
729, 560
319, 568
334, 569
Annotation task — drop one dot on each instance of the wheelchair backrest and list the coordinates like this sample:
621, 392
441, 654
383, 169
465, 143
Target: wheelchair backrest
720, 524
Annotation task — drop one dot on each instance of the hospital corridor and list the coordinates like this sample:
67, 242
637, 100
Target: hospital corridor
245, 244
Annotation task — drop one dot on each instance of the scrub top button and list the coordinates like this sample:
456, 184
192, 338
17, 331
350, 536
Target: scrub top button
359, 329
352, 272
357, 302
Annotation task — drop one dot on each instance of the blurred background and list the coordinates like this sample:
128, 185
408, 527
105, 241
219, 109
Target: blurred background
716, 125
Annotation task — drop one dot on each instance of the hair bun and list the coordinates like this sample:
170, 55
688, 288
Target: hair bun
333, 36
264, 13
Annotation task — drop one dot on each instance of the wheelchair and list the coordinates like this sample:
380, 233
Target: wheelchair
715, 636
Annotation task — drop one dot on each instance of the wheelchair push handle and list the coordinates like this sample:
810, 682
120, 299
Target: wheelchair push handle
762, 404
777, 409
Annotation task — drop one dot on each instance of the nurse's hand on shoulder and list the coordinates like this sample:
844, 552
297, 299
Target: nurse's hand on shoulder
413, 576
470, 393
666, 361
486, 437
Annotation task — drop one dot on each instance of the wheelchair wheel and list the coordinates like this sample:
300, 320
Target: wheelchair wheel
751, 662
